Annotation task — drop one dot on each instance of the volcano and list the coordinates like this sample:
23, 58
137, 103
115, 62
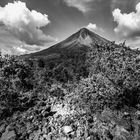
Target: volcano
79, 41
68, 59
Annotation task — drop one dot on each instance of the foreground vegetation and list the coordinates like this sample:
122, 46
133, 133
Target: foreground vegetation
94, 99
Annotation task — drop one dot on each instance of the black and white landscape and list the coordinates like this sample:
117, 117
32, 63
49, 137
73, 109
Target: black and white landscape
70, 70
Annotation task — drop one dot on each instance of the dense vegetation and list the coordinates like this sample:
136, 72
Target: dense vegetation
92, 96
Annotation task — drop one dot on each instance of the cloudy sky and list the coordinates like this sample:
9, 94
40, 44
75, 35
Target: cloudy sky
31, 25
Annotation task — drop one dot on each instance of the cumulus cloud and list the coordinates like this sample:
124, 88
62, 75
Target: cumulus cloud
128, 24
81, 5
25, 24
15, 47
93, 27
9, 44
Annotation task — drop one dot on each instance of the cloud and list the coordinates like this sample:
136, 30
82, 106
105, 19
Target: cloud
134, 43
11, 45
124, 5
120, 4
81, 5
25, 49
15, 47
93, 27
128, 24
25, 24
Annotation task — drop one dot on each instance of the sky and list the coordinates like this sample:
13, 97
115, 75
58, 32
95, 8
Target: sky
28, 26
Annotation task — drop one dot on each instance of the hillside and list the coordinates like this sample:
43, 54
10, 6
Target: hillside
83, 88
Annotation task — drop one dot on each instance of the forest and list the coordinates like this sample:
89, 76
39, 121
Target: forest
88, 96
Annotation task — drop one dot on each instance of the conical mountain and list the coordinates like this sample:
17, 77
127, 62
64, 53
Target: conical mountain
80, 40
68, 60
